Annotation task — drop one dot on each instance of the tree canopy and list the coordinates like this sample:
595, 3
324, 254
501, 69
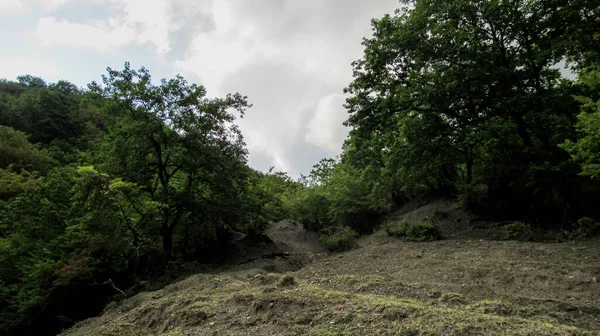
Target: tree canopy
121, 182
466, 98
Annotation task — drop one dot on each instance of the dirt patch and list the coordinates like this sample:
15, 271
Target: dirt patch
290, 237
285, 247
454, 221
464, 285
548, 280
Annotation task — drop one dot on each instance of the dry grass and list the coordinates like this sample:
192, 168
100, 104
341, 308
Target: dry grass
385, 287
396, 288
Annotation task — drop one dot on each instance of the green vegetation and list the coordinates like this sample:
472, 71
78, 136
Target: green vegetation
121, 183
518, 231
342, 239
414, 231
117, 184
465, 99
587, 227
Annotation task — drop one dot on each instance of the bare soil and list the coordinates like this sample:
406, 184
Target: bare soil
464, 285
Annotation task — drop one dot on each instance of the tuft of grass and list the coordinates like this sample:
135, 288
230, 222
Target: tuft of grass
414, 231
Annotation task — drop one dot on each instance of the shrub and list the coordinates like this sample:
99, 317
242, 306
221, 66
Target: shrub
342, 239
586, 227
518, 231
416, 231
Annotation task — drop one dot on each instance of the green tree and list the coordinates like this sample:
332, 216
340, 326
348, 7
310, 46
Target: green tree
180, 147
18, 153
586, 150
53, 251
441, 81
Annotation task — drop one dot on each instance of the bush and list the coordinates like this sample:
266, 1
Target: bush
518, 231
586, 227
417, 231
342, 239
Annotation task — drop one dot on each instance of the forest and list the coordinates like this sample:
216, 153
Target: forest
121, 184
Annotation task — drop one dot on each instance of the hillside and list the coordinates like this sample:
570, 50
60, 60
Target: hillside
458, 286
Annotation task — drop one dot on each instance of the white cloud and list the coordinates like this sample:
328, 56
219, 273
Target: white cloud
99, 35
292, 58
50, 5
12, 7
138, 22
11, 67
214, 55
325, 128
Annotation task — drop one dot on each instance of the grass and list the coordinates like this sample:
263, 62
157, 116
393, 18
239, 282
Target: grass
468, 286
205, 304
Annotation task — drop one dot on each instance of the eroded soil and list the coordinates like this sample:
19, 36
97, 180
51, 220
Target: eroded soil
464, 285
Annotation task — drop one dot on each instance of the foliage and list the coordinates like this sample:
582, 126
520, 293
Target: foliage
125, 180
414, 231
160, 179
518, 231
586, 150
452, 95
268, 198
343, 238
181, 148
18, 153
48, 249
587, 227
13, 184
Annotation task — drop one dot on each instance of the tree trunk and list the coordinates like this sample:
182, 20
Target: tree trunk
522, 131
167, 239
469, 166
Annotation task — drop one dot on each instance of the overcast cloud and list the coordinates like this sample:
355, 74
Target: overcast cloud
292, 58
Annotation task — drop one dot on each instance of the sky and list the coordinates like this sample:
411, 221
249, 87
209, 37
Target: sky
291, 58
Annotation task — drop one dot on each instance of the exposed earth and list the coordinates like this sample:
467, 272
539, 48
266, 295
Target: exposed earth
467, 284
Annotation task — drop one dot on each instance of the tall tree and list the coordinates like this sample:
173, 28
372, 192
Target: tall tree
441, 81
181, 147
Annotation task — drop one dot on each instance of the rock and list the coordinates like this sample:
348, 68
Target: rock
594, 279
